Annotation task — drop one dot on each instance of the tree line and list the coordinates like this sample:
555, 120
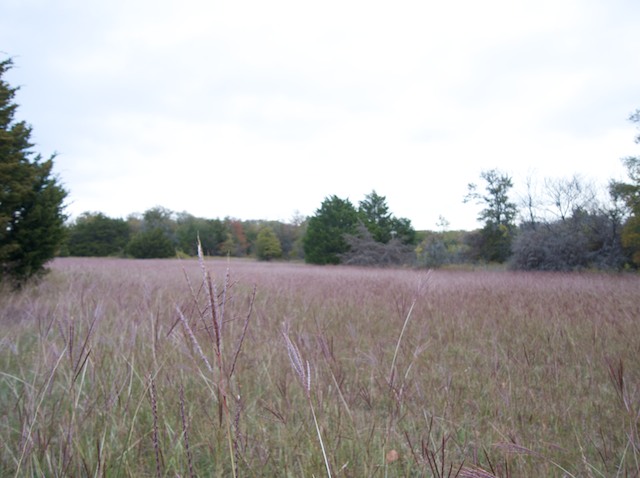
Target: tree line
329, 237
162, 233
560, 224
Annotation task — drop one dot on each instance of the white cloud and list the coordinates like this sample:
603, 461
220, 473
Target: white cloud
257, 109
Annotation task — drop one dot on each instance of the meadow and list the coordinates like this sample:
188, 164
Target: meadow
115, 367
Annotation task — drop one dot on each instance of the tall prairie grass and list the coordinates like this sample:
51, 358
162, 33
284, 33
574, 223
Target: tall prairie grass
112, 367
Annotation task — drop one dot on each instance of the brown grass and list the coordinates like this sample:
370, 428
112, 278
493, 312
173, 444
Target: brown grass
467, 373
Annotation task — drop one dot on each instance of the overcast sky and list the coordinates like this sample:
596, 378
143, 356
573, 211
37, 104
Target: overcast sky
258, 109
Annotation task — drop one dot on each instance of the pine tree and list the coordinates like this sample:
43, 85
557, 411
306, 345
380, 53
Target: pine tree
324, 240
374, 213
31, 198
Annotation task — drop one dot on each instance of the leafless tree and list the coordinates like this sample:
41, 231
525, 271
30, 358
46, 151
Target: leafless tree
564, 197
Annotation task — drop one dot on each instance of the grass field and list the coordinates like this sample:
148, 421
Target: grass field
113, 367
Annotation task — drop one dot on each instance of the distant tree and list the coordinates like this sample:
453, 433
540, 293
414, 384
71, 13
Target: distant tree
228, 247
498, 215
236, 244
151, 243
135, 223
374, 213
155, 236
267, 245
212, 233
629, 192
443, 224
298, 219
251, 229
529, 203
300, 224
31, 197
187, 232
402, 229
566, 227
287, 233
583, 240
564, 197
432, 252
441, 248
95, 234
324, 239
159, 217
474, 246
631, 238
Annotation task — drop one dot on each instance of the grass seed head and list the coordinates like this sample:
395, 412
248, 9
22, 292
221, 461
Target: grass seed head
300, 366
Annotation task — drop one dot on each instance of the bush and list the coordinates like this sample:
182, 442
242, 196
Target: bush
580, 242
364, 250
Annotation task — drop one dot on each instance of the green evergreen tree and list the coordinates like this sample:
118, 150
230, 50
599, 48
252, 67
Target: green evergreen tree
267, 245
402, 229
324, 239
31, 197
374, 213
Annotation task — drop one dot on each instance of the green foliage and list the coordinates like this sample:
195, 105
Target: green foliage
496, 242
324, 240
630, 194
236, 243
153, 235
374, 213
498, 209
402, 229
31, 198
94, 234
212, 234
631, 238
151, 243
340, 233
267, 245
498, 215
159, 218
289, 236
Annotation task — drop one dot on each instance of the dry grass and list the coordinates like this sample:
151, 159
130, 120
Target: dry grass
142, 368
